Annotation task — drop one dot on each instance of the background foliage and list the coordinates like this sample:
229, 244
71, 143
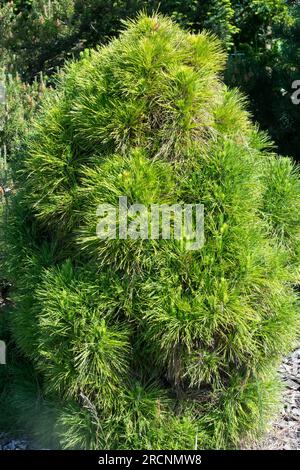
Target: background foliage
262, 37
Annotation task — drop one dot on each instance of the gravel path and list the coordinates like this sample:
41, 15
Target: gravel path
7, 443
284, 433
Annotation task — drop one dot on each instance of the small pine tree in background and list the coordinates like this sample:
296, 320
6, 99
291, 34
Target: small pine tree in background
19, 102
135, 344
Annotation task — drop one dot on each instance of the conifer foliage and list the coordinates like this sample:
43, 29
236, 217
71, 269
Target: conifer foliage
142, 344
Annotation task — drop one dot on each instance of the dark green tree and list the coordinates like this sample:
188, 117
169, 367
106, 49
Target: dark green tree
266, 73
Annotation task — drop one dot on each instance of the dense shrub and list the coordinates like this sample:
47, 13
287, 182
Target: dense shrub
144, 344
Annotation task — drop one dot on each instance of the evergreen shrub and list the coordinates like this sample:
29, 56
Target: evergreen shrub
134, 344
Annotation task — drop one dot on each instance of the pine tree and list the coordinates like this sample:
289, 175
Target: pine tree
133, 344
